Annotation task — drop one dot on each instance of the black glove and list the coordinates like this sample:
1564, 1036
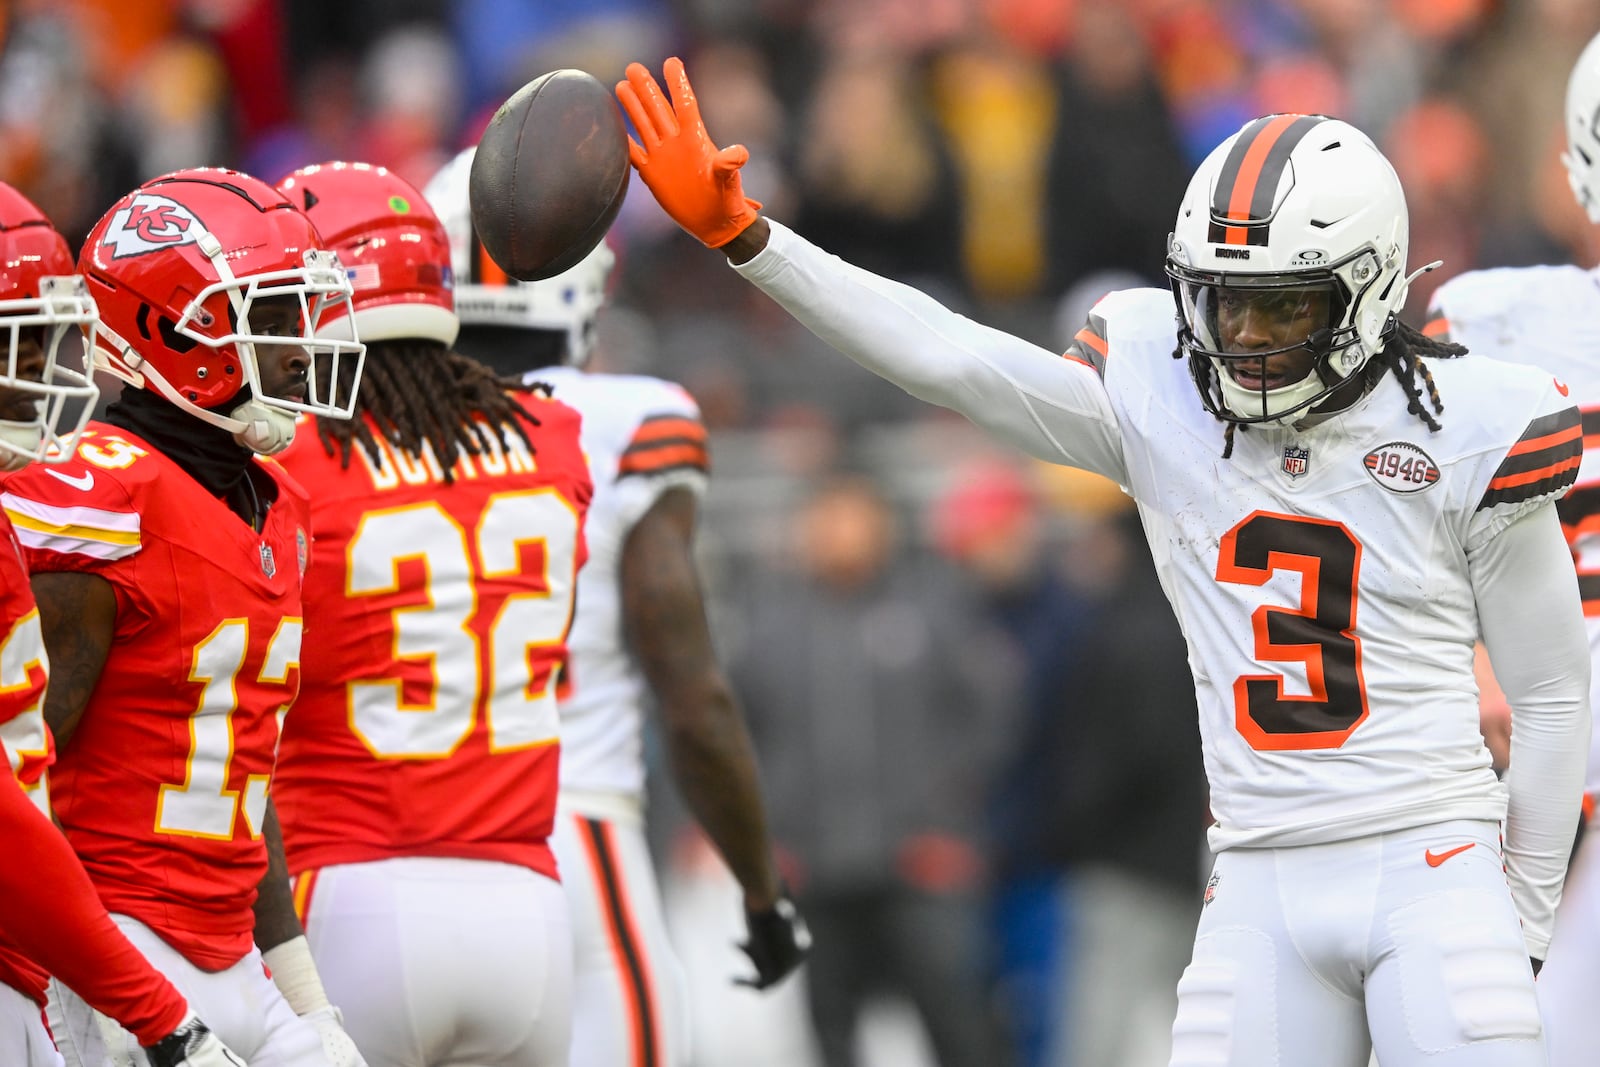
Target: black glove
778, 943
1536, 965
192, 1044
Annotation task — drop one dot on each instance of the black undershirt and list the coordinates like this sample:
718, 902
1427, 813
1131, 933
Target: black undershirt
207, 453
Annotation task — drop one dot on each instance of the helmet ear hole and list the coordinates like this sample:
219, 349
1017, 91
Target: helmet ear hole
170, 336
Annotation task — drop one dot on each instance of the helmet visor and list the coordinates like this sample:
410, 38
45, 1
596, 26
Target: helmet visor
1235, 319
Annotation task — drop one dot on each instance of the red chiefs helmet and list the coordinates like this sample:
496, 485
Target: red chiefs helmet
176, 266
41, 298
393, 245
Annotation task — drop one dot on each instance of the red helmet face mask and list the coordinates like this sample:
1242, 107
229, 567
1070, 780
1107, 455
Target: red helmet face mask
41, 300
393, 245
217, 293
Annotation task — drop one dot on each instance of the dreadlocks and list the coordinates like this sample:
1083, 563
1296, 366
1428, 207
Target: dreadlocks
1402, 354
421, 393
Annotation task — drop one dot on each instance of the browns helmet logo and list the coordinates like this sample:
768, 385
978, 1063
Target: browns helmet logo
150, 223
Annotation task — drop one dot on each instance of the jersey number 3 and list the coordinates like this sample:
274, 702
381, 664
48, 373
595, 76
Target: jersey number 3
1319, 633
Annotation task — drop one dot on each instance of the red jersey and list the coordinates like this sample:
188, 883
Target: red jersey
28, 748
436, 626
163, 787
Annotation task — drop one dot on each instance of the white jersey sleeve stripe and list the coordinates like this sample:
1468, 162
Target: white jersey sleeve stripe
107, 535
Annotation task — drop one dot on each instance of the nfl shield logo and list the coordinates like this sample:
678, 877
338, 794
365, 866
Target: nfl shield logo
1296, 460
268, 566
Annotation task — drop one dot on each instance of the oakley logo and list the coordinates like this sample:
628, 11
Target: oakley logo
149, 223
1310, 255
1233, 253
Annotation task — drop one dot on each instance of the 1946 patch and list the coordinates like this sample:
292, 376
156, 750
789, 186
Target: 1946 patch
1401, 467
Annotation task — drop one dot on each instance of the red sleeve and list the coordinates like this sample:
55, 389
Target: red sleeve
52, 913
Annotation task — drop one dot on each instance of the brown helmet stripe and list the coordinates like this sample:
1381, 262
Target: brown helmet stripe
485, 271
1249, 180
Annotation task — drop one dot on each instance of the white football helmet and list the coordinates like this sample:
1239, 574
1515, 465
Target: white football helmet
1582, 121
569, 303
1296, 208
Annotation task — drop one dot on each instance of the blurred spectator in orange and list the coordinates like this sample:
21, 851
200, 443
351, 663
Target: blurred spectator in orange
1441, 155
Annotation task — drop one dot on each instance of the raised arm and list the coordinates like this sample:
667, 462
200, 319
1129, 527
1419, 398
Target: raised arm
1030, 398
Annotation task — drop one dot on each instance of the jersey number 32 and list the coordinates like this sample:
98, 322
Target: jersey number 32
480, 645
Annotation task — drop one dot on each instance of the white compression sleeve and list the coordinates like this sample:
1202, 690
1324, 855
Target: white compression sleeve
1027, 396
1532, 624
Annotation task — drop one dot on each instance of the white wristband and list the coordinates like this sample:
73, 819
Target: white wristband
295, 974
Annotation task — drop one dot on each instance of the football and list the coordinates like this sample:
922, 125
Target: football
549, 175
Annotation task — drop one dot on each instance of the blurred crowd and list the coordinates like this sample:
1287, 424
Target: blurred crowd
969, 697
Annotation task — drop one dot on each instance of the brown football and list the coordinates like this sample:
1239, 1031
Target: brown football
549, 175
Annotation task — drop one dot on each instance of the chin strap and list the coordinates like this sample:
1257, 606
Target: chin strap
23, 441
267, 430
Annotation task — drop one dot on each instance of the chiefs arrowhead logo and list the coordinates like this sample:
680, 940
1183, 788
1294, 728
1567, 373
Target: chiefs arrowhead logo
149, 223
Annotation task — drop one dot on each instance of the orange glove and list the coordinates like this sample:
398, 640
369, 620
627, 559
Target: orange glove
693, 180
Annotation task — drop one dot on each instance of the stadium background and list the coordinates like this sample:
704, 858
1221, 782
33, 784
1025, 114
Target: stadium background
1017, 158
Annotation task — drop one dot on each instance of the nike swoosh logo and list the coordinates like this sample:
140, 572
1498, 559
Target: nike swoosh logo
1436, 858
84, 481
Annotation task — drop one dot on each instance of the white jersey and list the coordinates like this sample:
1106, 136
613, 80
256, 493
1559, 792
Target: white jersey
1323, 577
642, 436
1546, 317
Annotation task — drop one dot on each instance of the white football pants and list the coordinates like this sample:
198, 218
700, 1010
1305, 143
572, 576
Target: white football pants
23, 1039
628, 1005
240, 1005
1410, 937
443, 962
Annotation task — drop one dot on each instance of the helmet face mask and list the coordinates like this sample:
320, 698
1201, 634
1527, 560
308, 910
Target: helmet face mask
32, 376
568, 303
178, 265
41, 300
1296, 222
321, 292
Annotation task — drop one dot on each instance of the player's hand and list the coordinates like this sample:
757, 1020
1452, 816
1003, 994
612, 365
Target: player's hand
192, 1044
1536, 965
778, 942
693, 180
337, 1046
